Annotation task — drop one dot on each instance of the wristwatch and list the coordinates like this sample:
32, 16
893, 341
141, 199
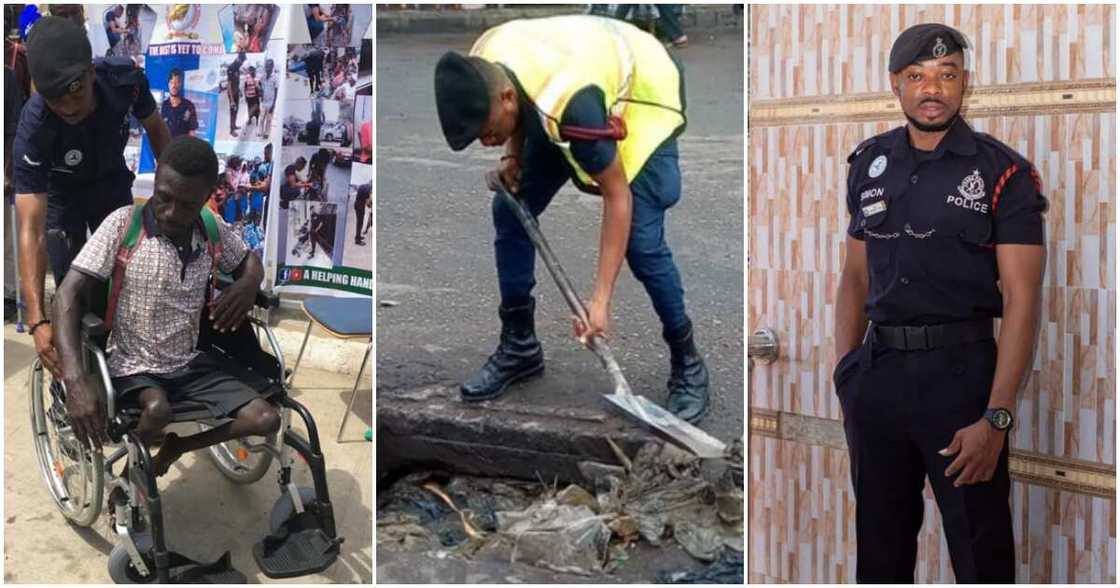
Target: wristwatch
999, 418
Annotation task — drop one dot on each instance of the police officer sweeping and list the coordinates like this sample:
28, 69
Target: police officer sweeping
945, 235
601, 103
68, 156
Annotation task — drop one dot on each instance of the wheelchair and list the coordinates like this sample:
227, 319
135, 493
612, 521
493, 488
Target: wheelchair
301, 538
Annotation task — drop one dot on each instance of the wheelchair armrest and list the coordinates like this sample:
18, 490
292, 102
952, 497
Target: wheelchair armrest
266, 299
93, 327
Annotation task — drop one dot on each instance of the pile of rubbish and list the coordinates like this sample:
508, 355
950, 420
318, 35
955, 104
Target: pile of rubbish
658, 496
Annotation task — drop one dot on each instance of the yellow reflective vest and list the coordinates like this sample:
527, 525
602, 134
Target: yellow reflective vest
553, 58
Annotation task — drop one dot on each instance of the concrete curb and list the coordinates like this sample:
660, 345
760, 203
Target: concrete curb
696, 18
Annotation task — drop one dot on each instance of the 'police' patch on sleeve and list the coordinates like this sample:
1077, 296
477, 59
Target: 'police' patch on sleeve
874, 208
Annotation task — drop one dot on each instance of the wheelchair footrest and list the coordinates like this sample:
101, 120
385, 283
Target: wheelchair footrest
303, 552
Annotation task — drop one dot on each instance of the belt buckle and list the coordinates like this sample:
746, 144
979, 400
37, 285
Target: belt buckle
915, 335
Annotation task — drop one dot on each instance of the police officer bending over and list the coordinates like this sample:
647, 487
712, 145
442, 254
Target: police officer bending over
68, 156
946, 234
549, 92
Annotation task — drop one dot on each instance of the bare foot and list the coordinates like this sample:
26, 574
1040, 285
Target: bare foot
169, 451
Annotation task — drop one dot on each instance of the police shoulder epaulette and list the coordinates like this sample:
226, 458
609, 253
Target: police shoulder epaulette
861, 148
1001, 147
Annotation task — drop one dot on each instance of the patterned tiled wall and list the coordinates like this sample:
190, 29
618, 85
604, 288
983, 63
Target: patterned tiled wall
822, 50
801, 526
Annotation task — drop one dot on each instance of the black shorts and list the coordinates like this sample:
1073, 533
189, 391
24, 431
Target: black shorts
203, 380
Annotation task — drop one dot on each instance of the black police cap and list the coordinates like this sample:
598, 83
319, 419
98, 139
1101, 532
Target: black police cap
925, 41
462, 99
58, 55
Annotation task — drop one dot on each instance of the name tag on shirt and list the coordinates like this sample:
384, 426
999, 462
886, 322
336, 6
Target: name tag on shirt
874, 208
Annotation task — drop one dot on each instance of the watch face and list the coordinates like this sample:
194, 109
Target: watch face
1001, 419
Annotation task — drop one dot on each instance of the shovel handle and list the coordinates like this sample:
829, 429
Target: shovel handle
596, 344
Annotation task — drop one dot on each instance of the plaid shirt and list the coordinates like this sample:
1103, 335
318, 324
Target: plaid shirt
161, 296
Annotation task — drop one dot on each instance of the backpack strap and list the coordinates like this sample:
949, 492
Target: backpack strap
128, 245
124, 253
213, 244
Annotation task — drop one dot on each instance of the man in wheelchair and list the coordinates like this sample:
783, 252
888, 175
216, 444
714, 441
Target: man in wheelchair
154, 270
155, 326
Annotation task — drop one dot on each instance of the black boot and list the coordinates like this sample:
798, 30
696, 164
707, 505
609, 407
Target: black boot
688, 379
519, 356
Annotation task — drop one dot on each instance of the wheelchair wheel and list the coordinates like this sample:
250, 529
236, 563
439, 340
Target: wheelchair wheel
236, 462
74, 474
121, 569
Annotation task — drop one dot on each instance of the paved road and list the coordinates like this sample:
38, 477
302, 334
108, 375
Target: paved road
435, 256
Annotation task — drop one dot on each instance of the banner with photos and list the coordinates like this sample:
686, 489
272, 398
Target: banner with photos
284, 94
325, 175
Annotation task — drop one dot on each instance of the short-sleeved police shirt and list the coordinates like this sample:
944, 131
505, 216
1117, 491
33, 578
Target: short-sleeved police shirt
931, 222
181, 119
83, 161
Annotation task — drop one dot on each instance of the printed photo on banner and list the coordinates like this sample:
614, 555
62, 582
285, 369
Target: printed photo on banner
319, 122
337, 25
315, 72
124, 30
247, 27
314, 176
246, 85
244, 183
363, 141
358, 251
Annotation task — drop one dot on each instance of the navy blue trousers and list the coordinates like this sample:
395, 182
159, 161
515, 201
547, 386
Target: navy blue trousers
900, 408
655, 189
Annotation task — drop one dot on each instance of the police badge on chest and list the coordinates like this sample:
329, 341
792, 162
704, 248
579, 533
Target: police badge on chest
970, 194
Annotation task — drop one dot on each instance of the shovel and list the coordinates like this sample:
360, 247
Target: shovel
638, 407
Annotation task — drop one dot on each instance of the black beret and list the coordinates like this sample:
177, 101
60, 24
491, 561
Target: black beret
925, 41
462, 99
58, 55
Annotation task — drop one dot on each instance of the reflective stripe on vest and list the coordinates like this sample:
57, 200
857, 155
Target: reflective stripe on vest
553, 58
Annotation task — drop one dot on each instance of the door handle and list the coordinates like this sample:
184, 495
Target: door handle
762, 345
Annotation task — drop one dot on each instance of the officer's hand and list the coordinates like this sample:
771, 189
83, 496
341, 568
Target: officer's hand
44, 346
977, 448
233, 305
86, 412
509, 169
598, 313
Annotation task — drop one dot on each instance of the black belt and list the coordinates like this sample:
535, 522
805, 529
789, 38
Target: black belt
909, 338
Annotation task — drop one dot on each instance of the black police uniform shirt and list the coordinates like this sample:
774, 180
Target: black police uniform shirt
586, 109
931, 221
82, 166
180, 119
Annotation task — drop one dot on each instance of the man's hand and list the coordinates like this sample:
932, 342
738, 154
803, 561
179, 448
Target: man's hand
978, 446
44, 346
598, 312
233, 305
509, 172
86, 411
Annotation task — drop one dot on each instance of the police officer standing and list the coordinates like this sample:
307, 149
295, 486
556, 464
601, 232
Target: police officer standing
68, 156
577, 119
945, 235
233, 91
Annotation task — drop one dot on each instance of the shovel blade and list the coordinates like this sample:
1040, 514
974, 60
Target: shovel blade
670, 425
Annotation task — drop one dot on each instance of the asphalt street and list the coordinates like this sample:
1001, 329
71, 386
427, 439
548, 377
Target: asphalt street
436, 284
